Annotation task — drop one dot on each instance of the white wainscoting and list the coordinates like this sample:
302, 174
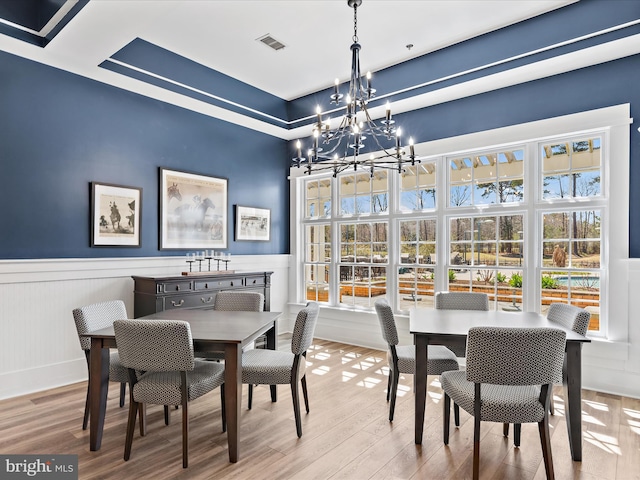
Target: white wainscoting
39, 346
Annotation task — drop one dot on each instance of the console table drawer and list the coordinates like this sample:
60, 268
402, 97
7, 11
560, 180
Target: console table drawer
217, 284
172, 302
172, 287
256, 281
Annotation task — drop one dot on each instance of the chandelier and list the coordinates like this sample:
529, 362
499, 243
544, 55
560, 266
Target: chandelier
343, 148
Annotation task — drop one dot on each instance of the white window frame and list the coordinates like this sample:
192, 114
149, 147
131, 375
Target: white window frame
610, 122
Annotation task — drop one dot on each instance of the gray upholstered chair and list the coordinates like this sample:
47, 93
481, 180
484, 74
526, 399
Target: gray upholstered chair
461, 301
273, 367
571, 317
231, 301
243, 301
162, 371
402, 358
509, 376
94, 317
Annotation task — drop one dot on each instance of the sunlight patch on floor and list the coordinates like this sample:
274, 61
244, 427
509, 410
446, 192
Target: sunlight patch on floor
346, 376
631, 413
403, 390
586, 418
321, 356
321, 370
435, 396
369, 382
362, 365
597, 405
603, 442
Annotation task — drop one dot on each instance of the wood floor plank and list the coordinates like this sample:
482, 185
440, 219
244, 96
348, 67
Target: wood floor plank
346, 435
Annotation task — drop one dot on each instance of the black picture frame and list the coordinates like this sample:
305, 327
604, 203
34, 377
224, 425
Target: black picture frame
116, 213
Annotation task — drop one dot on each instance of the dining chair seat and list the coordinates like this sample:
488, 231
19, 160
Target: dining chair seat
269, 367
500, 403
165, 387
441, 359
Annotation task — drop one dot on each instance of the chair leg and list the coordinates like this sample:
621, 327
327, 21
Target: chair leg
167, 418
296, 406
131, 426
394, 391
551, 404
223, 406
517, 428
476, 432
545, 441
303, 381
505, 429
446, 419
85, 420
456, 414
185, 434
123, 391
143, 418
388, 385
250, 396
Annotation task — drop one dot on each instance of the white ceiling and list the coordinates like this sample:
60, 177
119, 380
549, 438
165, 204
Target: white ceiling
221, 34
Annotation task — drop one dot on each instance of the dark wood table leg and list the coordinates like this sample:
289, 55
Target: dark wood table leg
421, 342
233, 396
272, 335
98, 387
573, 387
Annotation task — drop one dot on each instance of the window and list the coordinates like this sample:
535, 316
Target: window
523, 222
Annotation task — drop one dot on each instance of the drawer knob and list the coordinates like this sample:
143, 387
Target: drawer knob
206, 285
178, 288
206, 300
177, 304
232, 284
254, 280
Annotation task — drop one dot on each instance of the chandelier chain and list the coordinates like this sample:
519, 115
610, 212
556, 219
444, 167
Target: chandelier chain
355, 24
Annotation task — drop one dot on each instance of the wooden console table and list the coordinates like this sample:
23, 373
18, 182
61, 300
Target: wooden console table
160, 293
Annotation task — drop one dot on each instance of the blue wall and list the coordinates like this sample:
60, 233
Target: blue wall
59, 132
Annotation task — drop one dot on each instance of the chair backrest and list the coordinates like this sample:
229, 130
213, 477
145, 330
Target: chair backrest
304, 328
154, 345
230, 301
569, 316
462, 301
515, 356
97, 316
387, 321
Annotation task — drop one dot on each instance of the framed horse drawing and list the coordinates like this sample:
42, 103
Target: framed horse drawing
193, 211
115, 215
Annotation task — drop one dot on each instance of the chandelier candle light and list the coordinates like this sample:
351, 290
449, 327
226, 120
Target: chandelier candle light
346, 143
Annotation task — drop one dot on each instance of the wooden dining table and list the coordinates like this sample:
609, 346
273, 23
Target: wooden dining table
211, 330
450, 328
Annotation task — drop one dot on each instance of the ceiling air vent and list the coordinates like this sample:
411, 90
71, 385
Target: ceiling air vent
271, 42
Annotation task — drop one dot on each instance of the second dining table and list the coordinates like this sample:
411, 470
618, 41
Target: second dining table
211, 330
450, 328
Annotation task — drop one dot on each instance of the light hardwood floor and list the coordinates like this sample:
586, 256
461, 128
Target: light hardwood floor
346, 435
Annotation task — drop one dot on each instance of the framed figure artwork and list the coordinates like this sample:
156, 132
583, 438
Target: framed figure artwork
252, 224
193, 211
115, 215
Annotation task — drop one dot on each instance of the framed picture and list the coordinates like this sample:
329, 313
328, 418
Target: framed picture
253, 224
193, 211
115, 215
